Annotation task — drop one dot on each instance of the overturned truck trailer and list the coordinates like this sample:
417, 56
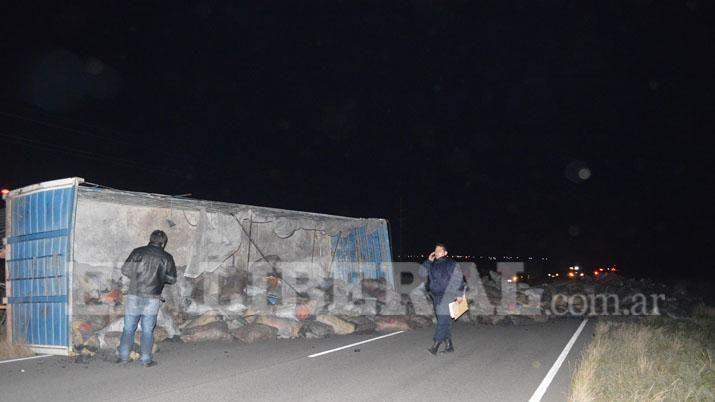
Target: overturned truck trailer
66, 242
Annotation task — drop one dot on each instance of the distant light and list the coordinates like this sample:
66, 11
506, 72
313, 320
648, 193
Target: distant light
581, 274
5, 191
576, 268
584, 173
514, 278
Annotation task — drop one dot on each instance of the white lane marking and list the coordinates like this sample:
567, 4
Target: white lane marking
24, 358
541, 390
354, 344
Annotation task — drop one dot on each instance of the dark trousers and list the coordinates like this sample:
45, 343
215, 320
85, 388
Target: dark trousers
444, 321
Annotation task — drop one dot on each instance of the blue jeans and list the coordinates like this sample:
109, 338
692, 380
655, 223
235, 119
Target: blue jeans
444, 320
144, 309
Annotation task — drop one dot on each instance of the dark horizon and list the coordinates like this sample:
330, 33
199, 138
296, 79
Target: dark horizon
578, 131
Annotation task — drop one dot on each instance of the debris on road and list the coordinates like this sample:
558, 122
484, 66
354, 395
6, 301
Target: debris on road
315, 329
252, 333
213, 331
340, 327
392, 323
363, 323
286, 327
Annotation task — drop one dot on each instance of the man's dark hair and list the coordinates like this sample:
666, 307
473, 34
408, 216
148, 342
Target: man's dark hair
159, 237
444, 246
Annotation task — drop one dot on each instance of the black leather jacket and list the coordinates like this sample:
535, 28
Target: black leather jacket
149, 268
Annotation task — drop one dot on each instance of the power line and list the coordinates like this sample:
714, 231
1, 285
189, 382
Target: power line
57, 126
94, 135
20, 140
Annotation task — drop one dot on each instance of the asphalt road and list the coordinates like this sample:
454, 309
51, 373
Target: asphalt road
504, 363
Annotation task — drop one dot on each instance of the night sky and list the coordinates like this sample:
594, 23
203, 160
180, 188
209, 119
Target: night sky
576, 130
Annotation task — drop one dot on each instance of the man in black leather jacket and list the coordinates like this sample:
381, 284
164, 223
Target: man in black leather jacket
148, 268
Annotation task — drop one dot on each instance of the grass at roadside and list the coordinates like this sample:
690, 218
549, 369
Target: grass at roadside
8, 351
654, 359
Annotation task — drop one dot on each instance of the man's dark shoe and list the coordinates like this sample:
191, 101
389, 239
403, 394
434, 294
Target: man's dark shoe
434, 348
150, 364
121, 361
449, 346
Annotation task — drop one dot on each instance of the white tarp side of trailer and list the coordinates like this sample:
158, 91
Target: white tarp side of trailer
217, 237
287, 221
106, 233
203, 239
202, 235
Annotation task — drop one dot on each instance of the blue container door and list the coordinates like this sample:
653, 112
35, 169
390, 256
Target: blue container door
360, 254
39, 239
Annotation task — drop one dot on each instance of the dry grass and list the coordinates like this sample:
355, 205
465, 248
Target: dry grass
8, 351
652, 360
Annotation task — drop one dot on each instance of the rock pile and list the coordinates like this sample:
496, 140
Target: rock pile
327, 309
336, 308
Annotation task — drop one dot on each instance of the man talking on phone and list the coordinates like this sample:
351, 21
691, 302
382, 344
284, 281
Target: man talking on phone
445, 283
